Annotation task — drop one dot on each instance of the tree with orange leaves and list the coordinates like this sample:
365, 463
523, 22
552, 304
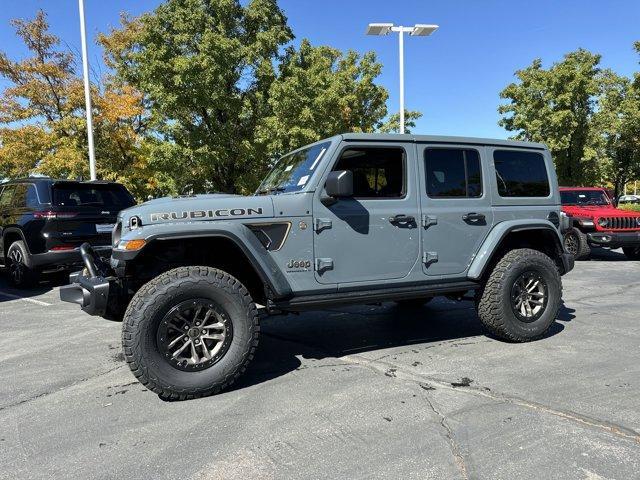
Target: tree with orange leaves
43, 124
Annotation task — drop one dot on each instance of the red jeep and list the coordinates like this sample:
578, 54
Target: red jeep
596, 221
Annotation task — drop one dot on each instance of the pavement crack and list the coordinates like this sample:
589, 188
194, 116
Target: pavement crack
402, 374
448, 433
64, 387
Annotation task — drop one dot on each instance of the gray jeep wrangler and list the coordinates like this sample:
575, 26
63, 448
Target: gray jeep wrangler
356, 218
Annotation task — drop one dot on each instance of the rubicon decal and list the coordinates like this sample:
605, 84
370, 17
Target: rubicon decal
195, 214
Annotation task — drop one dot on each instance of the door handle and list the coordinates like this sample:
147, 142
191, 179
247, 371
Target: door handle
401, 218
473, 217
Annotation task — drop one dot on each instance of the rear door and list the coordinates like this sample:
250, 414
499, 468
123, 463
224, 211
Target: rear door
87, 212
455, 204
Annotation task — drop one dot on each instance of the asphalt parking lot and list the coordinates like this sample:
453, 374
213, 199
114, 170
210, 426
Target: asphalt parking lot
357, 392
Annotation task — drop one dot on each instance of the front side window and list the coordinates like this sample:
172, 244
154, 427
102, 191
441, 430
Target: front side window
377, 172
453, 173
584, 197
521, 174
292, 172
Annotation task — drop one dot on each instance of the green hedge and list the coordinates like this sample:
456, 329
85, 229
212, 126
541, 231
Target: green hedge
634, 207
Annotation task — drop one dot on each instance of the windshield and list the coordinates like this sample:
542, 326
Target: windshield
292, 172
584, 197
112, 197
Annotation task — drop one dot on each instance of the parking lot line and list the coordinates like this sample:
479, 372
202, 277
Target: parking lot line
30, 300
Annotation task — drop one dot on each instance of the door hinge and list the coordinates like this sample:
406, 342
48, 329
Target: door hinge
429, 257
320, 224
324, 264
428, 220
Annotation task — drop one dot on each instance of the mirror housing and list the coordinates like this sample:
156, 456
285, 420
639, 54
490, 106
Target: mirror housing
339, 184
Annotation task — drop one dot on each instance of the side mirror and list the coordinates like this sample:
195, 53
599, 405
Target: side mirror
339, 184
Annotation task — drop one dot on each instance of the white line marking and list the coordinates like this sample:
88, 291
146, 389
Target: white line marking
30, 300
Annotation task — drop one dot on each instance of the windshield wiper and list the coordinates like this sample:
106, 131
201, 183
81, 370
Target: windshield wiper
264, 191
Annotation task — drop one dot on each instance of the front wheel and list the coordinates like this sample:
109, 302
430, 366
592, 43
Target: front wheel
576, 243
190, 332
521, 297
632, 253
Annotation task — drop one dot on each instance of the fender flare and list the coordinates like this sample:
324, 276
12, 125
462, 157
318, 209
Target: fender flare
499, 233
265, 266
6, 231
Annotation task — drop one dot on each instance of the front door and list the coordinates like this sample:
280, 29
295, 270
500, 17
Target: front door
374, 235
456, 206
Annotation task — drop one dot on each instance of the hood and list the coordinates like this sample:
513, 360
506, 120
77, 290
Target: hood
201, 208
593, 211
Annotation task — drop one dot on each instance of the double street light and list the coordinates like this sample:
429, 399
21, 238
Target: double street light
418, 30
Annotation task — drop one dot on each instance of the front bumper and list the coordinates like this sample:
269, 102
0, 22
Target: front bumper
614, 239
90, 287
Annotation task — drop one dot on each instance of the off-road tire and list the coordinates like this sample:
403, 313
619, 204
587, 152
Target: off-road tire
151, 303
493, 299
576, 243
413, 303
27, 276
632, 253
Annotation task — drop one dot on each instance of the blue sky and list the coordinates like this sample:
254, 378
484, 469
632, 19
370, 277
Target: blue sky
453, 77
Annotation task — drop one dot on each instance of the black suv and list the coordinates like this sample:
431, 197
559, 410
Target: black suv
43, 222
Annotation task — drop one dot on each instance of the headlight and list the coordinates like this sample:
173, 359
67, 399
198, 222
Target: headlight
603, 222
586, 222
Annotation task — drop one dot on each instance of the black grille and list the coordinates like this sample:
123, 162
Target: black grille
620, 223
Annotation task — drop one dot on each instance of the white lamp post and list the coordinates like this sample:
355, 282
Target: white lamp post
418, 30
87, 92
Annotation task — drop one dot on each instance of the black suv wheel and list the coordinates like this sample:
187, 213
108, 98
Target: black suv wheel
576, 243
190, 332
632, 253
521, 296
19, 265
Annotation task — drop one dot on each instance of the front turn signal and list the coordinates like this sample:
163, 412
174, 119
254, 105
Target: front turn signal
130, 245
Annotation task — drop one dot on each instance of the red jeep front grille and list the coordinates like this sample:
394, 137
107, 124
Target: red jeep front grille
619, 223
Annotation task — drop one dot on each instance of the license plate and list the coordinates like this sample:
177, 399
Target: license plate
105, 227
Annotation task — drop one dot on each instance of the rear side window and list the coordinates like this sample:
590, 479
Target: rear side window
377, 172
453, 173
521, 174
110, 197
25, 196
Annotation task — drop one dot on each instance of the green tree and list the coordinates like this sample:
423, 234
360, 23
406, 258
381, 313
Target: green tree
617, 127
319, 92
556, 106
205, 67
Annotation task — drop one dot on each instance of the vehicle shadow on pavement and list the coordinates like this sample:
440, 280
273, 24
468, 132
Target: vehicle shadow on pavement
45, 283
339, 332
605, 255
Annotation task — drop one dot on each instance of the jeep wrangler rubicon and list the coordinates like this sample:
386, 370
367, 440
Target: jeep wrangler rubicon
356, 218
595, 221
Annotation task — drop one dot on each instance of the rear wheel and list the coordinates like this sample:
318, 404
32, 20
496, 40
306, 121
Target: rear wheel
190, 332
576, 243
21, 274
632, 253
521, 297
